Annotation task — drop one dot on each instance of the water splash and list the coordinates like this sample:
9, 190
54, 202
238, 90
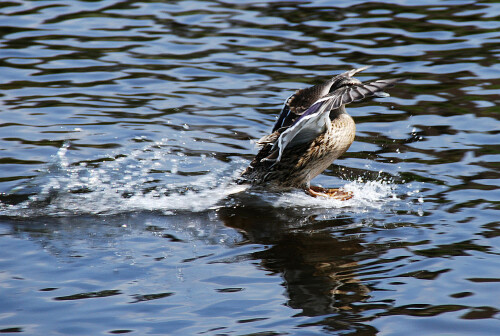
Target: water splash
366, 195
160, 177
157, 177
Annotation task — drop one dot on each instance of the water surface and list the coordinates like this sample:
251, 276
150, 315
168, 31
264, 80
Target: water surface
124, 125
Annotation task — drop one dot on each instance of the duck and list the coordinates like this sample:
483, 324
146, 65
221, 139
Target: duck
312, 130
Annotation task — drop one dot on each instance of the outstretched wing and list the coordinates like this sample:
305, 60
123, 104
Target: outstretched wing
300, 101
315, 120
348, 94
306, 128
286, 115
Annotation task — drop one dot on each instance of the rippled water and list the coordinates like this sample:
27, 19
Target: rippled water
124, 124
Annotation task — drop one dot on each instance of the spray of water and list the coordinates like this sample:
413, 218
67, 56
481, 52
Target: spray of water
159, 177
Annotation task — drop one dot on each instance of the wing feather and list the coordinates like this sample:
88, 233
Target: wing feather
356, 92
285, 115
299, 123
301, 101
315, 119
311, 124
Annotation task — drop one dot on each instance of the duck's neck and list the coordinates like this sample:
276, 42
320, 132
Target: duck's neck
337, 112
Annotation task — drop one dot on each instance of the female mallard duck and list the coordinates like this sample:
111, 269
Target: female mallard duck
312, 130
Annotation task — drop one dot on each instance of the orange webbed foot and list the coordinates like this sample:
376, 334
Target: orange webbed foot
330, 193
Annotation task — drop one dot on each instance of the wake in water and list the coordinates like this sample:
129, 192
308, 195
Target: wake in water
160, 177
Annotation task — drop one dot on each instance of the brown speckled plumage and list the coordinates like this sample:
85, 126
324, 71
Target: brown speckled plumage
302, 163
312, 131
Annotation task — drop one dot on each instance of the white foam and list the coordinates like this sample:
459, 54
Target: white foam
150, 179
366, 195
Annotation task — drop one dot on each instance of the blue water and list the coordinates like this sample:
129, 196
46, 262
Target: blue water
124, 125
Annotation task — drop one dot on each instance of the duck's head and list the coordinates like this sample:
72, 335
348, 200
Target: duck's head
346, 79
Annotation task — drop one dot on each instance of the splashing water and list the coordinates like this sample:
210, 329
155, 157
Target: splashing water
160, 178
153, 178
366, 195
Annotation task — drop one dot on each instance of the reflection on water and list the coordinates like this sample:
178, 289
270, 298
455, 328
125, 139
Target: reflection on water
124, 125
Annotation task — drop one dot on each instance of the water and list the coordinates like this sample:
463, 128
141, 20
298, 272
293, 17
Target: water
124, 125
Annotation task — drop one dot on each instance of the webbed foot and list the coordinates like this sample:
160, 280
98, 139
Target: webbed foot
329, 192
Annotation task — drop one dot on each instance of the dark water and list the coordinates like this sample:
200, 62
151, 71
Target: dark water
123, 125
